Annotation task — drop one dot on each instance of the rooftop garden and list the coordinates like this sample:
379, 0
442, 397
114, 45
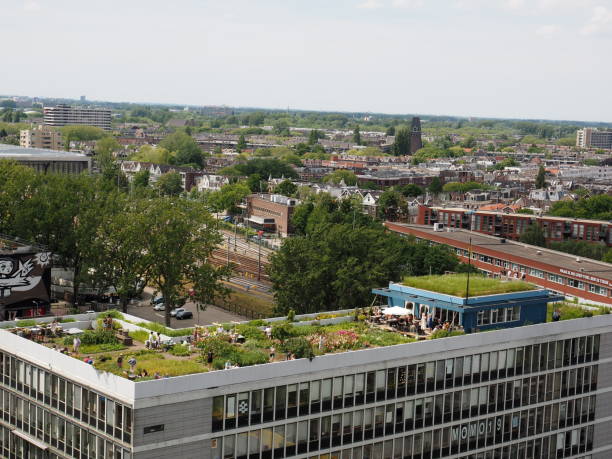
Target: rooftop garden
211, 348
455, 284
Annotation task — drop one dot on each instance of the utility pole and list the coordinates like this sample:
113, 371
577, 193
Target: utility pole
259, 259
235, 234
229, 241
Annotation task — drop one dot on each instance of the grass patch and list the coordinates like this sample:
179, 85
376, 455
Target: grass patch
97, 348
111, 313
139, 335
26, 323
66, 320
153, 362
159, 328
455, 284
246, 304
570, 311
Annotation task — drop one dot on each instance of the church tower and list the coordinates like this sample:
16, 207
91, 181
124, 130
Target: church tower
415, 135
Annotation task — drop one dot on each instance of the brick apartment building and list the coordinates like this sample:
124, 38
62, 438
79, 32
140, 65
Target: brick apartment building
512, 225
271, 212
557, 271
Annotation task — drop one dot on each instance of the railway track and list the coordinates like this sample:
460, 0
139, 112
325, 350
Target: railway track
243, 264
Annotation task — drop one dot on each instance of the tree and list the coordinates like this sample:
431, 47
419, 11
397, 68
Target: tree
170, 184
180, 240
540, 181
184, 147
340, 255
227, 198
141, 178
435, 186
256, 183
80, 133
357, 135
401, 147
281, 127
241, 145
411, 190
118, 256
349, 177
286, 188
265, 167
390, 205
533, 235
155, 155
314, 136
390, 131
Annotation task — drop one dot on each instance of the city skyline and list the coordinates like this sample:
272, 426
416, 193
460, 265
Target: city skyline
503, 59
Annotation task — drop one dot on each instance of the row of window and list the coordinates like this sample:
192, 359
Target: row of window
54, 430
288, 401
552, 277
499, 315
101, 413
287, 440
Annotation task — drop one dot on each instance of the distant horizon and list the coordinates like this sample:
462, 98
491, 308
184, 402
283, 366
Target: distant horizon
296, 109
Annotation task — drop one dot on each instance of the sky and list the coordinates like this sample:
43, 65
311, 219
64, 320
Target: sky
492, 58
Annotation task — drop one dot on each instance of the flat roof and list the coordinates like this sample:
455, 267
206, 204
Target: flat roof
526, 252
38, 154
515, 214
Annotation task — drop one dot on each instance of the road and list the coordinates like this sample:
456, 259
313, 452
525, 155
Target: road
211, 315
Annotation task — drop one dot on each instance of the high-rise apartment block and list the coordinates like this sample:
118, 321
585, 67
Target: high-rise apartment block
594, 138
41, 137
62, 115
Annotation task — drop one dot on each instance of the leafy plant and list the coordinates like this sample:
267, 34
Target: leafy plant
26, 323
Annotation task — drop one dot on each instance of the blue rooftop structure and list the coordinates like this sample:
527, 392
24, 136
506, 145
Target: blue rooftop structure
504, 310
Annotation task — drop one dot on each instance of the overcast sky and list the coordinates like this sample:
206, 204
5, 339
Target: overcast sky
504, 58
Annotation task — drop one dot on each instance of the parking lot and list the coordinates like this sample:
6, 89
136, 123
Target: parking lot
210, 315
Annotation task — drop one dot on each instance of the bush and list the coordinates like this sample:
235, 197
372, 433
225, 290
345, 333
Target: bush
180, 350
111, 313
291, 316
257, 323
446, 334
218, 363
299, 347
250, 332
94, 337
283, 331
66, 320
245, 357
159, 328
26, 323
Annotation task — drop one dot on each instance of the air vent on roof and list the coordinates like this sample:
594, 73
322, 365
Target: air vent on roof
578, 260
503, 240
539, 252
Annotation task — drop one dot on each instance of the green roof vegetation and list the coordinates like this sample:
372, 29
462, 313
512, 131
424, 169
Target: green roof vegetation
455, 284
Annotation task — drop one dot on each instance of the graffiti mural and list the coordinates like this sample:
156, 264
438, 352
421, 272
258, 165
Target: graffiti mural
24, 277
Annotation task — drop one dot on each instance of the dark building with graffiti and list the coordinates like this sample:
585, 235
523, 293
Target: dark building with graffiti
25, 281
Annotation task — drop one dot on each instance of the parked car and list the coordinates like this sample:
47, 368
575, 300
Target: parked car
174, 312
157, 300
184, 314
159, 307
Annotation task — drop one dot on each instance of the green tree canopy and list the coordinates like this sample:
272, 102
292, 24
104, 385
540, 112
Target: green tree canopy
185, 149
349, 177
169, 184
286, 188
155, 155
533, 235
540, 181
435, 186
401, 147
596, 208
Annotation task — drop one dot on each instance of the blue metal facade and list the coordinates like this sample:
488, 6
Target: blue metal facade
532, 305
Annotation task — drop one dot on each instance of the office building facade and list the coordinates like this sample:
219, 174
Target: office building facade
540, 391
594, 138
63, 115
41, 137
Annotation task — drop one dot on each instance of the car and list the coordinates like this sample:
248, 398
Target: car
157, 299
174, 312
159, 307
184, 314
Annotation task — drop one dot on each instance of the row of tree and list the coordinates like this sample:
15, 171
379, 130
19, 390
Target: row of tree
113, 239
340, 254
